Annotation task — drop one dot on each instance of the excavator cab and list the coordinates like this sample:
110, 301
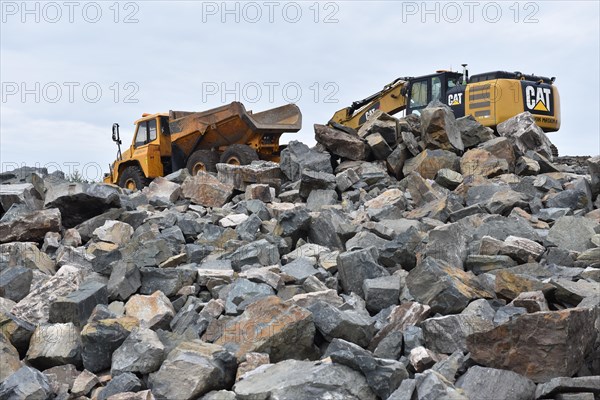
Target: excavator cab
424, 89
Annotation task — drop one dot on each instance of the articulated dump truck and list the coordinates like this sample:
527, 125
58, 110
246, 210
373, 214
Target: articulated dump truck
166, 142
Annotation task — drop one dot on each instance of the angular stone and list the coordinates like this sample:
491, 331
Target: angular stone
388, 205
318, 199
472, 132
354, 267
77, 306
154, 310
125, 280
84, 383
340, 143
142, 352
408, 138
115, 232
526, 166
379, 146
26, 384
531, 301
481, 162
260, 191
445, 288
291, 379
383, 376
270, 326
552, 388
497, 384
348, 325
540, 346
421, 358
396, 160
35, 307
522, 249
344, 180
101, 338
23, 225
501, 148
480, 264
20, 194
9, 358
240, 176
573, 233
381, 292
243, 292
449, 333
206, 190
526, 135
248, 229
315, 180
300, 269
15, 283
380, 123
298, 156
163, 190
448, 178
78, 202
61, 378
126, 382
54, 344
433, 385
253, 361
429, 162
167, 280
259, 252
400, 319
593, 164
439, 129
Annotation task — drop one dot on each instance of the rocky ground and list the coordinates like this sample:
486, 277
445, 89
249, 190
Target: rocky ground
420, 258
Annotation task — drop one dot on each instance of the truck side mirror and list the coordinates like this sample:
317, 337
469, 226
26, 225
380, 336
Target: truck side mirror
116, 137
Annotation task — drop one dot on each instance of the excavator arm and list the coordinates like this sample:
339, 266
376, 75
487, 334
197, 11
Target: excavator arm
391, 99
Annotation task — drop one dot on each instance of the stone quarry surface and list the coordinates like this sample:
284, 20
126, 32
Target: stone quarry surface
416, 258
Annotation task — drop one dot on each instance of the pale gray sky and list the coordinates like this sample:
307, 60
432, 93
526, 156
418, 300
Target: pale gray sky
151, 56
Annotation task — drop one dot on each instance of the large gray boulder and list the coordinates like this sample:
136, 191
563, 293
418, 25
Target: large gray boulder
79, 202
192, 369
293, 380
526, 135
298, 156
26, 384
495, 384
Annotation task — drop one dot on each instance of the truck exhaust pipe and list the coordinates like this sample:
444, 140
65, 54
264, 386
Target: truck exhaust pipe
465, 74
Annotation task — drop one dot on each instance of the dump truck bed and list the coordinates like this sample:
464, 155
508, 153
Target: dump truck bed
230, 124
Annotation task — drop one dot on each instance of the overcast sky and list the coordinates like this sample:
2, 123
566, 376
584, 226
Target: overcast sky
71, 69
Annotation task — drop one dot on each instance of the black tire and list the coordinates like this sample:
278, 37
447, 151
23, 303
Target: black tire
239, 154
554, 150
133, 176
203, 160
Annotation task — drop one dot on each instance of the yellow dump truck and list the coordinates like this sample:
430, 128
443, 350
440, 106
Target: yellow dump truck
166, 142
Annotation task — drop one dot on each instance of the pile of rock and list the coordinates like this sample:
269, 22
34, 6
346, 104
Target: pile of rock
418, 258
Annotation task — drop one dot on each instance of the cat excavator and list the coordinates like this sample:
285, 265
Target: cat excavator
491, 98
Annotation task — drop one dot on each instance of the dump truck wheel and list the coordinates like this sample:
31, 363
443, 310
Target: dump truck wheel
203, 160
132, 178
239, 154
554, 150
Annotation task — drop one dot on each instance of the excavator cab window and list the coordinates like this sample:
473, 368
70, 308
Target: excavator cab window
418, 94
436, 88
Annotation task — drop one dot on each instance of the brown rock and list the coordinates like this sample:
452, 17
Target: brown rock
240, 176
253, 361
501, 148
206, 190
429, 162
509, 285
439, 129
540, 346
483, 163
271, 326
341, 144
154, 310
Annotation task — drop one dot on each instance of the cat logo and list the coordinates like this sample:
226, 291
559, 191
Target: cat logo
455, 99
537, 98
